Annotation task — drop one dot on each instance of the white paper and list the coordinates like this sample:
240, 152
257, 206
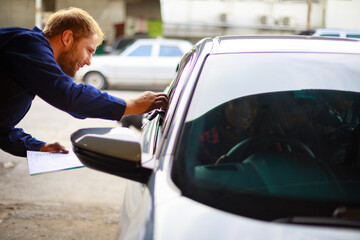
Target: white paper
43, 162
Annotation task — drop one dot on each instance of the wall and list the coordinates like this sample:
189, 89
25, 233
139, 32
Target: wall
107, 13
140, 15
343, 14
242, 13
20, 13
213, 17
201, 18
197, 18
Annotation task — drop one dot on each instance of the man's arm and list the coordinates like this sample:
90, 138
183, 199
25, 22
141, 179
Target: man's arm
17, 142
38, 72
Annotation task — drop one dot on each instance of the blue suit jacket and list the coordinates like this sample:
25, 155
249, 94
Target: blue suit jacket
28, 68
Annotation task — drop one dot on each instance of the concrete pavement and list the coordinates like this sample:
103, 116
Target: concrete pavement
73, 204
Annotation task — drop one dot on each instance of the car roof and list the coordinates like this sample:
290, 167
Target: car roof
329, 30
232, 44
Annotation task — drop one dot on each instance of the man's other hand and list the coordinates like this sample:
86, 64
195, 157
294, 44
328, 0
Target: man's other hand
146, 102
53, 147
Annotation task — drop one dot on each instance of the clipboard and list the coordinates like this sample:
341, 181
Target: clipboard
45, 162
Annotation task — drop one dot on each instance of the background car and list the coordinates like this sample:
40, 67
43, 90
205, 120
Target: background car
144, 64
324, 32
260, 141
121, 43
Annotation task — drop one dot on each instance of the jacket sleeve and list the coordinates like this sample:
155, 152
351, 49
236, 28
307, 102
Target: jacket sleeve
17, 142
38, 72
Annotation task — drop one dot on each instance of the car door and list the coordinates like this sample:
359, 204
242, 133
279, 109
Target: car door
153, 134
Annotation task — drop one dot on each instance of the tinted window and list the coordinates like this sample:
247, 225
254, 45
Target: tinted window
271, 136
142, 51
170, 51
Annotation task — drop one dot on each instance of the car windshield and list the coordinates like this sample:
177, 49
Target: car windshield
273, 135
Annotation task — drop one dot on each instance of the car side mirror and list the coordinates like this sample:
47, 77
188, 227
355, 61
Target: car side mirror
112, 150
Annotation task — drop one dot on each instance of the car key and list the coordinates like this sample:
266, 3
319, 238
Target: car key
153, 115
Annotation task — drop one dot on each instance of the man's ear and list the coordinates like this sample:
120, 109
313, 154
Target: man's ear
67, 38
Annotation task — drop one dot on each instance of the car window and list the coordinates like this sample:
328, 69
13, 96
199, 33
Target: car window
151, 134
141, 51
286, 71
330, 35
181, 72
122, 44
147, 138
287, 135
353, 35
170, 51
178, 83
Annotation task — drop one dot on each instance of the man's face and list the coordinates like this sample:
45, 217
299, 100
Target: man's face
79, 54
241, 114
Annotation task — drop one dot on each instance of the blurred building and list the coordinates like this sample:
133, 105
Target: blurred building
198, 18
193, 19
116, 18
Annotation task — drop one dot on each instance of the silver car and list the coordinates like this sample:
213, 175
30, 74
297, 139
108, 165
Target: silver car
145, 64
260, 141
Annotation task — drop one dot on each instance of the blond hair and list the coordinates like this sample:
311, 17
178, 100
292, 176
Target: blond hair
74, 19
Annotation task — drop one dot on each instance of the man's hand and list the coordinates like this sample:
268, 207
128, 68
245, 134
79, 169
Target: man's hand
146, 102
53, 147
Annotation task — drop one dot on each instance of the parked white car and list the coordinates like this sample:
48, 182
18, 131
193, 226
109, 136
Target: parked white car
260, 141
337, 33
145, 64
325, 32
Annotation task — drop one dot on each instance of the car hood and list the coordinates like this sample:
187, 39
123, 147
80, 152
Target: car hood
183, 218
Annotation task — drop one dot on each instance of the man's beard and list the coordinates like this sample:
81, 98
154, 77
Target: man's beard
68, 62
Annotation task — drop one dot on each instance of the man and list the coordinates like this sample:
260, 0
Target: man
39, 63
236, 125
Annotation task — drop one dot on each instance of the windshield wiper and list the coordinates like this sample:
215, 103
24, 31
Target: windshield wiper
342, 217
320, 221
